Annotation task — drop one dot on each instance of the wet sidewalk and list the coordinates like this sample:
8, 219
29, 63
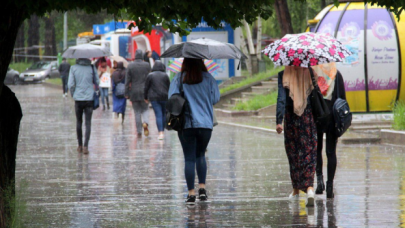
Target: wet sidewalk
127, 181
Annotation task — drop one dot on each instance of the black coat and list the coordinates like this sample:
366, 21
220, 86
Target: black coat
64, 69
157, 83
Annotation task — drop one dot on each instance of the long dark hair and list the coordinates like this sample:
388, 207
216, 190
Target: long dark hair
193, 69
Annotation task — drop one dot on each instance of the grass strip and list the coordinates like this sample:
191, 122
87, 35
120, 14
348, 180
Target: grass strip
257, 102
399, 116
55, 81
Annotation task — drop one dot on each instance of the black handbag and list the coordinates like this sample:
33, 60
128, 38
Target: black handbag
175, 110
320, 109
341, 114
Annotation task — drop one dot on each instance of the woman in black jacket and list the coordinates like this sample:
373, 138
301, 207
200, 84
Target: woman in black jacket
156, 89
330, 81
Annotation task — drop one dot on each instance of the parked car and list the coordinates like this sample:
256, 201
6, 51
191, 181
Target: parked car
40, 71
12, 77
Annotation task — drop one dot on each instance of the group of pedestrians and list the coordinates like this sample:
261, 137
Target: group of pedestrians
303, 136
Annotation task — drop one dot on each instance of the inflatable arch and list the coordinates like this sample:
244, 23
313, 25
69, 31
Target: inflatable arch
374, 78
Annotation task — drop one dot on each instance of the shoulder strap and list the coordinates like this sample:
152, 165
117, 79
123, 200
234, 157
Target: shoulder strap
181, 85
94, 77
337, 84
314, 83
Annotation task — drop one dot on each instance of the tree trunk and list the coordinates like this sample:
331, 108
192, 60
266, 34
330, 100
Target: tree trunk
50, 42
252, 53
20, 44
33, 37
283, 16
245, 51
9, 120
323, 4
259, 38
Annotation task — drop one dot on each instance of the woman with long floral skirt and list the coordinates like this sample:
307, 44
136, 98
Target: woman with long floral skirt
300, 134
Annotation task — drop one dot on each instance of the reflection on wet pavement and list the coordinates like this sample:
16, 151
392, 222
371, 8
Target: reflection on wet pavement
127, 181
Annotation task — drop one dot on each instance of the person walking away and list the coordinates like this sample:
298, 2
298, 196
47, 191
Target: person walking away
105, 84
201, 92
300, 135
156, 90
64, 68
105, 81
136, 74
327, 76
83, 78
119, 102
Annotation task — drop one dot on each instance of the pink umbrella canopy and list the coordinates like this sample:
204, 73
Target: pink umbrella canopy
306, 49
176, 65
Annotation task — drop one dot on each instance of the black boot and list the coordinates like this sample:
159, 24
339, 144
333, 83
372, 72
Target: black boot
108, 105
103, 107
329, 190
320, 185
123, 117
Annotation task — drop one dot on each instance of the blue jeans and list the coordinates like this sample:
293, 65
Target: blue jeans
194, 142
159, 107
104, 94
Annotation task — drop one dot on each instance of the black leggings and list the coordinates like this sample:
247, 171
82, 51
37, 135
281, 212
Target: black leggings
85, 107
331, 141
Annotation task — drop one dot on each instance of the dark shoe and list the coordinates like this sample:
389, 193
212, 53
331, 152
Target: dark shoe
190, 199
108, 106
202, 194
122, 117
85, 150
329, 190
103, 107
320, 185
80, 149
139, 135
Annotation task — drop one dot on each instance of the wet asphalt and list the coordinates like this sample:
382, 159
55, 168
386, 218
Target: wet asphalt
128, 181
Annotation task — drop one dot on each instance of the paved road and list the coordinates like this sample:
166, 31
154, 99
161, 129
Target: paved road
131, 182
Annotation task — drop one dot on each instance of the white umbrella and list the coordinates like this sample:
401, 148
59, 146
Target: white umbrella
118, 58
86, 51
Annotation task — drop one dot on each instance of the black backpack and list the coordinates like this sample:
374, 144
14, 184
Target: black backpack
341, 114
175, 108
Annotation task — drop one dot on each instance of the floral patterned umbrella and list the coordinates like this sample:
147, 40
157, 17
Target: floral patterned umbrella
306, 49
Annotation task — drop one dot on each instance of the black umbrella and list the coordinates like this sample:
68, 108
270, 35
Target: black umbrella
204, 49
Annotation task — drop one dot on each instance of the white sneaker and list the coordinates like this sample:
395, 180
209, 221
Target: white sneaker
309, 202
161, 137
294, 197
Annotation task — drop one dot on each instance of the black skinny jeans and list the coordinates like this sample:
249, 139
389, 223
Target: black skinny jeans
331, 142
194, 142
85, 107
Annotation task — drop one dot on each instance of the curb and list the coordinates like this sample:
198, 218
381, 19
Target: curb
346, 141
248, 127
392, 137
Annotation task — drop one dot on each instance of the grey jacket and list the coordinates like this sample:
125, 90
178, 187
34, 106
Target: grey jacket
157, 83
81, 76
137, 72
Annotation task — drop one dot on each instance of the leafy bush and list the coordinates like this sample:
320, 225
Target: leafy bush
399, 115
257, 102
